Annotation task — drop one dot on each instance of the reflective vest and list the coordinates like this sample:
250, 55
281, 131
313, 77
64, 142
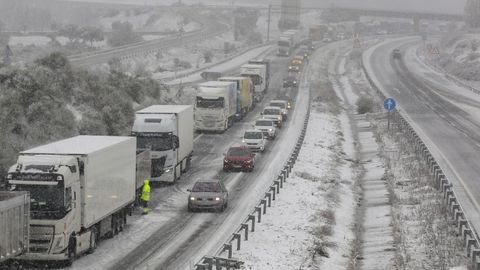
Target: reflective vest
145, 192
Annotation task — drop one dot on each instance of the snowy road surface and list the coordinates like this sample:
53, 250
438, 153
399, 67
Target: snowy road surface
172, 238
440, 114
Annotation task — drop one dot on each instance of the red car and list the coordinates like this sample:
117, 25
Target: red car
239, 158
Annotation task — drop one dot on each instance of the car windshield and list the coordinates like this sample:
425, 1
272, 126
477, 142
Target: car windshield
271, 111
210, 103
238, 152
263, 123
207, 187
278, 104
252, 135
155, 142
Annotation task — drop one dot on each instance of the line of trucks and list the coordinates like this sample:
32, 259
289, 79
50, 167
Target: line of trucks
221, 102
65, 196
288, 41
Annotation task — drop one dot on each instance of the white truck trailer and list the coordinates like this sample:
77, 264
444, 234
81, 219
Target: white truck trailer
258, 74
167, 131
215, 106
14, 229
81, 189
285, 45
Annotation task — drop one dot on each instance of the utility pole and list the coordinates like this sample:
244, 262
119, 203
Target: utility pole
269, 19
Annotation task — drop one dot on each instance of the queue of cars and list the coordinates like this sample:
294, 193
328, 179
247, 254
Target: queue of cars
212, 194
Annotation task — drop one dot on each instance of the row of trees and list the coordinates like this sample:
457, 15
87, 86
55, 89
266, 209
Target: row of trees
49, 100
122, 34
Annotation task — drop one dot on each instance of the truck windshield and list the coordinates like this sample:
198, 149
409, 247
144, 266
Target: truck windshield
155, 141
282, 43
46, 202
210, 103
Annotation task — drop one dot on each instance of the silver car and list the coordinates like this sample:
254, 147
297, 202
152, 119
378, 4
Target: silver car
208, 194
267, 126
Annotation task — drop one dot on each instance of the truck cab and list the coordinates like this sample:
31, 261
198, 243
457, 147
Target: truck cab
167, 132
258, 75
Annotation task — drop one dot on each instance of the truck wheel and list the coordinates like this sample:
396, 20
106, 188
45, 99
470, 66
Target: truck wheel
93, 240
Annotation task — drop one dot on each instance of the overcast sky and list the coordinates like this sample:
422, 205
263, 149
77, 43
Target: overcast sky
436, 6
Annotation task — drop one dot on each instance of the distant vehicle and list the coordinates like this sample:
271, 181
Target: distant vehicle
382, 32
327, 40
397, 54
210, 194
282, 104
273, 113
266, 63
215, 106
239, 158
254, 140
245, 91
290, 81
167, 131
296, 63
267, 126
305, 53
258, 74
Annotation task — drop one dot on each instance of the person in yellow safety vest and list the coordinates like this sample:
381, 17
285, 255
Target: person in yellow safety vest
145, 196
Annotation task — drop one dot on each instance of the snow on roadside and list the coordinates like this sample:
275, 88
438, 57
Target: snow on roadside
310, 225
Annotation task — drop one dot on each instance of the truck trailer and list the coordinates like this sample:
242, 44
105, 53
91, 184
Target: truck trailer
167, 131
258, 74
245, 91
215, 106
81, 190
14, 228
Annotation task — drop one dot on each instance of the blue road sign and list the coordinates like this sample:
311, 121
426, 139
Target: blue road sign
389, 104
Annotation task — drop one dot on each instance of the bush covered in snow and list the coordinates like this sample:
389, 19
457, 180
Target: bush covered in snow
49, 100
365, 104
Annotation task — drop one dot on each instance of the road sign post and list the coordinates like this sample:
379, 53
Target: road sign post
389, 104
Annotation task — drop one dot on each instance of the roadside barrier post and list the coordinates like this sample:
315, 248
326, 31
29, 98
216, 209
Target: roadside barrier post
244, 227
264, 204
252, 218
259, 211
269, 197
238, 237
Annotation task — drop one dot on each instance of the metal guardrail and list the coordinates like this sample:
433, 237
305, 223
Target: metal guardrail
460, 220
248, 225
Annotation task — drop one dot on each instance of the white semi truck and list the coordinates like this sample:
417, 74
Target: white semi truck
167, 131
258, 74
215, 106
81, 189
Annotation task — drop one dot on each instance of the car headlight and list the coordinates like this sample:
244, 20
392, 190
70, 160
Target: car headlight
192, 198
270, 130
225, 161
217, 199
249, 161
294, 81
167, 170
243, 141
